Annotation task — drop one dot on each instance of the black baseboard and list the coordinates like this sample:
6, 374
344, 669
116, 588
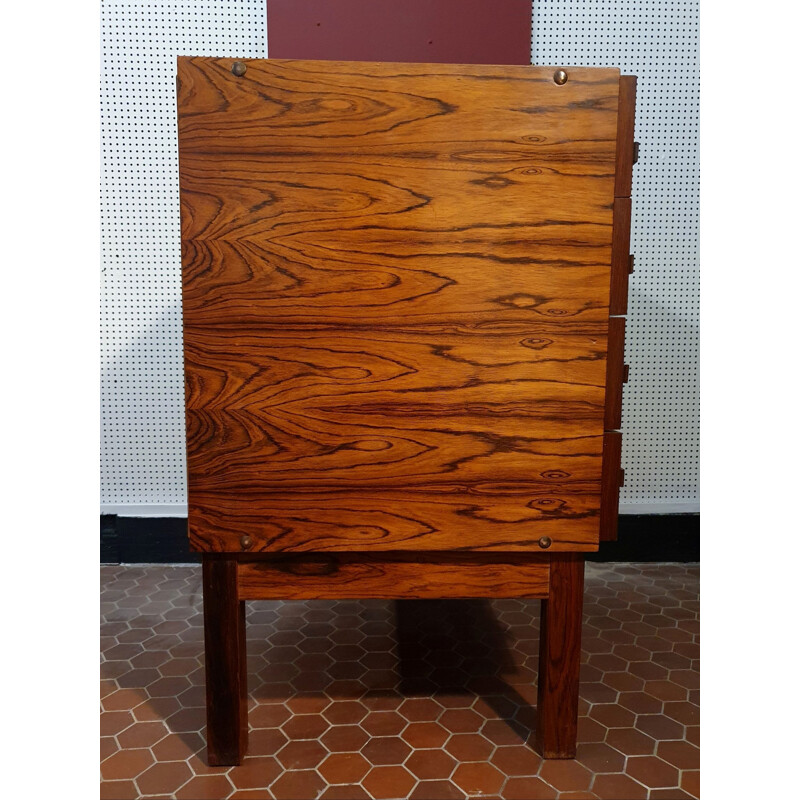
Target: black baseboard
164, 540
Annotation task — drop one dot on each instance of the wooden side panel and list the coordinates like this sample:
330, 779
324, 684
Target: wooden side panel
612, 480
396, 299
615, 373
620, 256
625, 134
362, 575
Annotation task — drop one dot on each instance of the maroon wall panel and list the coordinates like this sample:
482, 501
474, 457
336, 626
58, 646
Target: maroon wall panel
432, 31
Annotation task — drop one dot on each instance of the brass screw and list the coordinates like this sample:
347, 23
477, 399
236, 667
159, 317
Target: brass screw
239, 68
545, 542
561, 77
245, 541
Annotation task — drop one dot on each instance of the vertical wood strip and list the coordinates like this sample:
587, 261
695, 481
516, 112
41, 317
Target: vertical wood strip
620, 257
625, 133
226, 662
615, 372
559, 658
609, 503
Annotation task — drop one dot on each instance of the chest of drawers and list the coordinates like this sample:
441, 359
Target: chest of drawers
404, 289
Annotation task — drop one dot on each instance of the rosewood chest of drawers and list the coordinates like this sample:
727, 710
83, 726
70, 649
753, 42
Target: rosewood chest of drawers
404, 289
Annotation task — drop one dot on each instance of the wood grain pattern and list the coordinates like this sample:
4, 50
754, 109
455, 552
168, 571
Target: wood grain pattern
396, 298
360, 575
560, 658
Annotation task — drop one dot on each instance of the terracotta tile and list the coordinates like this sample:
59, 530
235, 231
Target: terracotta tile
688, 678
690, 782
517, 760
307, 704
123, 699
383, 723
659, 726
255, 772
268, 715
345, 712
683, 712
420, 709
344, 738
612, 715
436, 790
478, 778
300, 785
430, 764
119, 790
466, 747
385, 750
631, 742
355, 792
205, 787
528, 789
178, 747
649, 671
623, 681
347, 768
577, 796
669, 794
126, 764
693, 735
566, 775
461, 720
142, 734
301, 754
666, 690
251, 794
598, 693
108, 746
305, 726
618, 787
590, 730
266, 741
652, 771
112, 722
599, 758
425, 734
389, 782
680, 754
164, 778
640, 703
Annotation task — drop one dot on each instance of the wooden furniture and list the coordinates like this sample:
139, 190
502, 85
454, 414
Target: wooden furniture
403, 289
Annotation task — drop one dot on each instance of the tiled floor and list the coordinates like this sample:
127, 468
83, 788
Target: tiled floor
419, 699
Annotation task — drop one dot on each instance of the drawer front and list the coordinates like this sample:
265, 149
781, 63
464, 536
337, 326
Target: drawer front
353, 576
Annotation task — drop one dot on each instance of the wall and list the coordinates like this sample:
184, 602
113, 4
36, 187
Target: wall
142, 459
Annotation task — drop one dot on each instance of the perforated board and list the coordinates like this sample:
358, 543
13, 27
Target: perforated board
656, 40
143, 462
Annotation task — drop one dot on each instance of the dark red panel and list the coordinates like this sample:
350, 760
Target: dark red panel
428, 31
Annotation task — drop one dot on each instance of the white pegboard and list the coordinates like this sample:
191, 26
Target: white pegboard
656, 40
142, 439
143, 464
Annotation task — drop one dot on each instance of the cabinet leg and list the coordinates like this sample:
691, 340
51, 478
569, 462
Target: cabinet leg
559, 658
226, 662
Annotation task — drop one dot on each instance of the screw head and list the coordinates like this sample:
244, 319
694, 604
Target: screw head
545, 542
239, 68
245, 542
560, 77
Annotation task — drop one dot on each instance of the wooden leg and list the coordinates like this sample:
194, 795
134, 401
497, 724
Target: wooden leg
560, 657
226, 662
